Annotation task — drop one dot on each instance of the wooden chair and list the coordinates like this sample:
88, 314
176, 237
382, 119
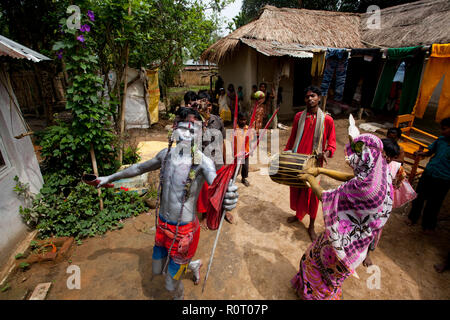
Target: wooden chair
411, 145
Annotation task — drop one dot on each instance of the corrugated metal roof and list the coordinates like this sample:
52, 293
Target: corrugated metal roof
15, 50
192, 62
275, 49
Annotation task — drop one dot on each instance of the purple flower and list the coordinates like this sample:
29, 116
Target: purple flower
345, 226
80, 38
85, 28
59, 54
91, 15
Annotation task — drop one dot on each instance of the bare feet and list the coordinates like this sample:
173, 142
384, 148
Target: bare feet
195, 266
292, 219
440, 267
312, 234
229, 217
204, 224
367, 262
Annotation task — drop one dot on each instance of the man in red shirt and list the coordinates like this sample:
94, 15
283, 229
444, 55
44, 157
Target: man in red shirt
312, 132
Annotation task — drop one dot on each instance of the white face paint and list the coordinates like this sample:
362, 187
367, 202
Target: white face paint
187, 131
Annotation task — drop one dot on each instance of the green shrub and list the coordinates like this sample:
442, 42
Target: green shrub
78, 214
175, 102
131, 156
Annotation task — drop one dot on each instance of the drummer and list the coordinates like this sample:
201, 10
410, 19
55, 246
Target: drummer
312, 133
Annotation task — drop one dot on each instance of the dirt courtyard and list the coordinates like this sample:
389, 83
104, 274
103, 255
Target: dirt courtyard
256, 257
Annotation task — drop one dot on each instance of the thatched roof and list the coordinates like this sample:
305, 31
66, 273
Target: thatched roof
417, 23
289, 26
287, 31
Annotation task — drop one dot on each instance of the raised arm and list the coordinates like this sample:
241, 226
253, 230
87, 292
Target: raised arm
337, 175
135, 169
314, 184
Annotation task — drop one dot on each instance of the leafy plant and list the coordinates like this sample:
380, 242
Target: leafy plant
23, 191
24, 265
66, 147
175, 102
34, 244
5, 288
130, 155
78, 213
19, 256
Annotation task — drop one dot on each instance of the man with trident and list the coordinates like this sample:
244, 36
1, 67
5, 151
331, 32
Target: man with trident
184, 169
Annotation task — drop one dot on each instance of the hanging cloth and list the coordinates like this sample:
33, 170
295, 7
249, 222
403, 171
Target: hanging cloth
438, 66
400, 74
413, 57
318, 63
364, 65
336, 61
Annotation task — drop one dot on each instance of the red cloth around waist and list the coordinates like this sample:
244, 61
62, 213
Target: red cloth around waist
186, 242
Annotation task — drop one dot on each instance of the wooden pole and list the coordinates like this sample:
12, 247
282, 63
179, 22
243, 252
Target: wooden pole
124, 98
145, 84
94, 166
276, 85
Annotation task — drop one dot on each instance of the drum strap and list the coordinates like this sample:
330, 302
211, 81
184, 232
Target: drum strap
318, 131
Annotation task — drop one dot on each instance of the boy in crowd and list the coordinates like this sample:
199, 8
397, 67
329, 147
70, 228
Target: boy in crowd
239, 145
434, 182
395, 134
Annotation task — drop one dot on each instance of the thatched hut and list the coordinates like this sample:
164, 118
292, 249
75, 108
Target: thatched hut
276, 48
416, 23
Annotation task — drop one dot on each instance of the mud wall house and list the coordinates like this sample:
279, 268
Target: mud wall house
418, 23
195, 73
17, 156
278, 47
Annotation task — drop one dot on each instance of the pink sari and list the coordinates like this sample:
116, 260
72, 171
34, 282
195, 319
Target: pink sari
354, 215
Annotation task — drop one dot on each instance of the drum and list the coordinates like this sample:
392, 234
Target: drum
285, 167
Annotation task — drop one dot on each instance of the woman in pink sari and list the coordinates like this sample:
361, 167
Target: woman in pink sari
354, 214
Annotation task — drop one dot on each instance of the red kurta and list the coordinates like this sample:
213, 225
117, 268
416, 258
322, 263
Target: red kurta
303, 200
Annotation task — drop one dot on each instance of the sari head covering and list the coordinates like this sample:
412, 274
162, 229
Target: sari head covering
356, 211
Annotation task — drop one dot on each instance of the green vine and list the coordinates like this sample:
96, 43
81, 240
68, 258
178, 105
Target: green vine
64, 205
66, 146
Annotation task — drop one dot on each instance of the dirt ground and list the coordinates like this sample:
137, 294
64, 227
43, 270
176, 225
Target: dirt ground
256, 257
